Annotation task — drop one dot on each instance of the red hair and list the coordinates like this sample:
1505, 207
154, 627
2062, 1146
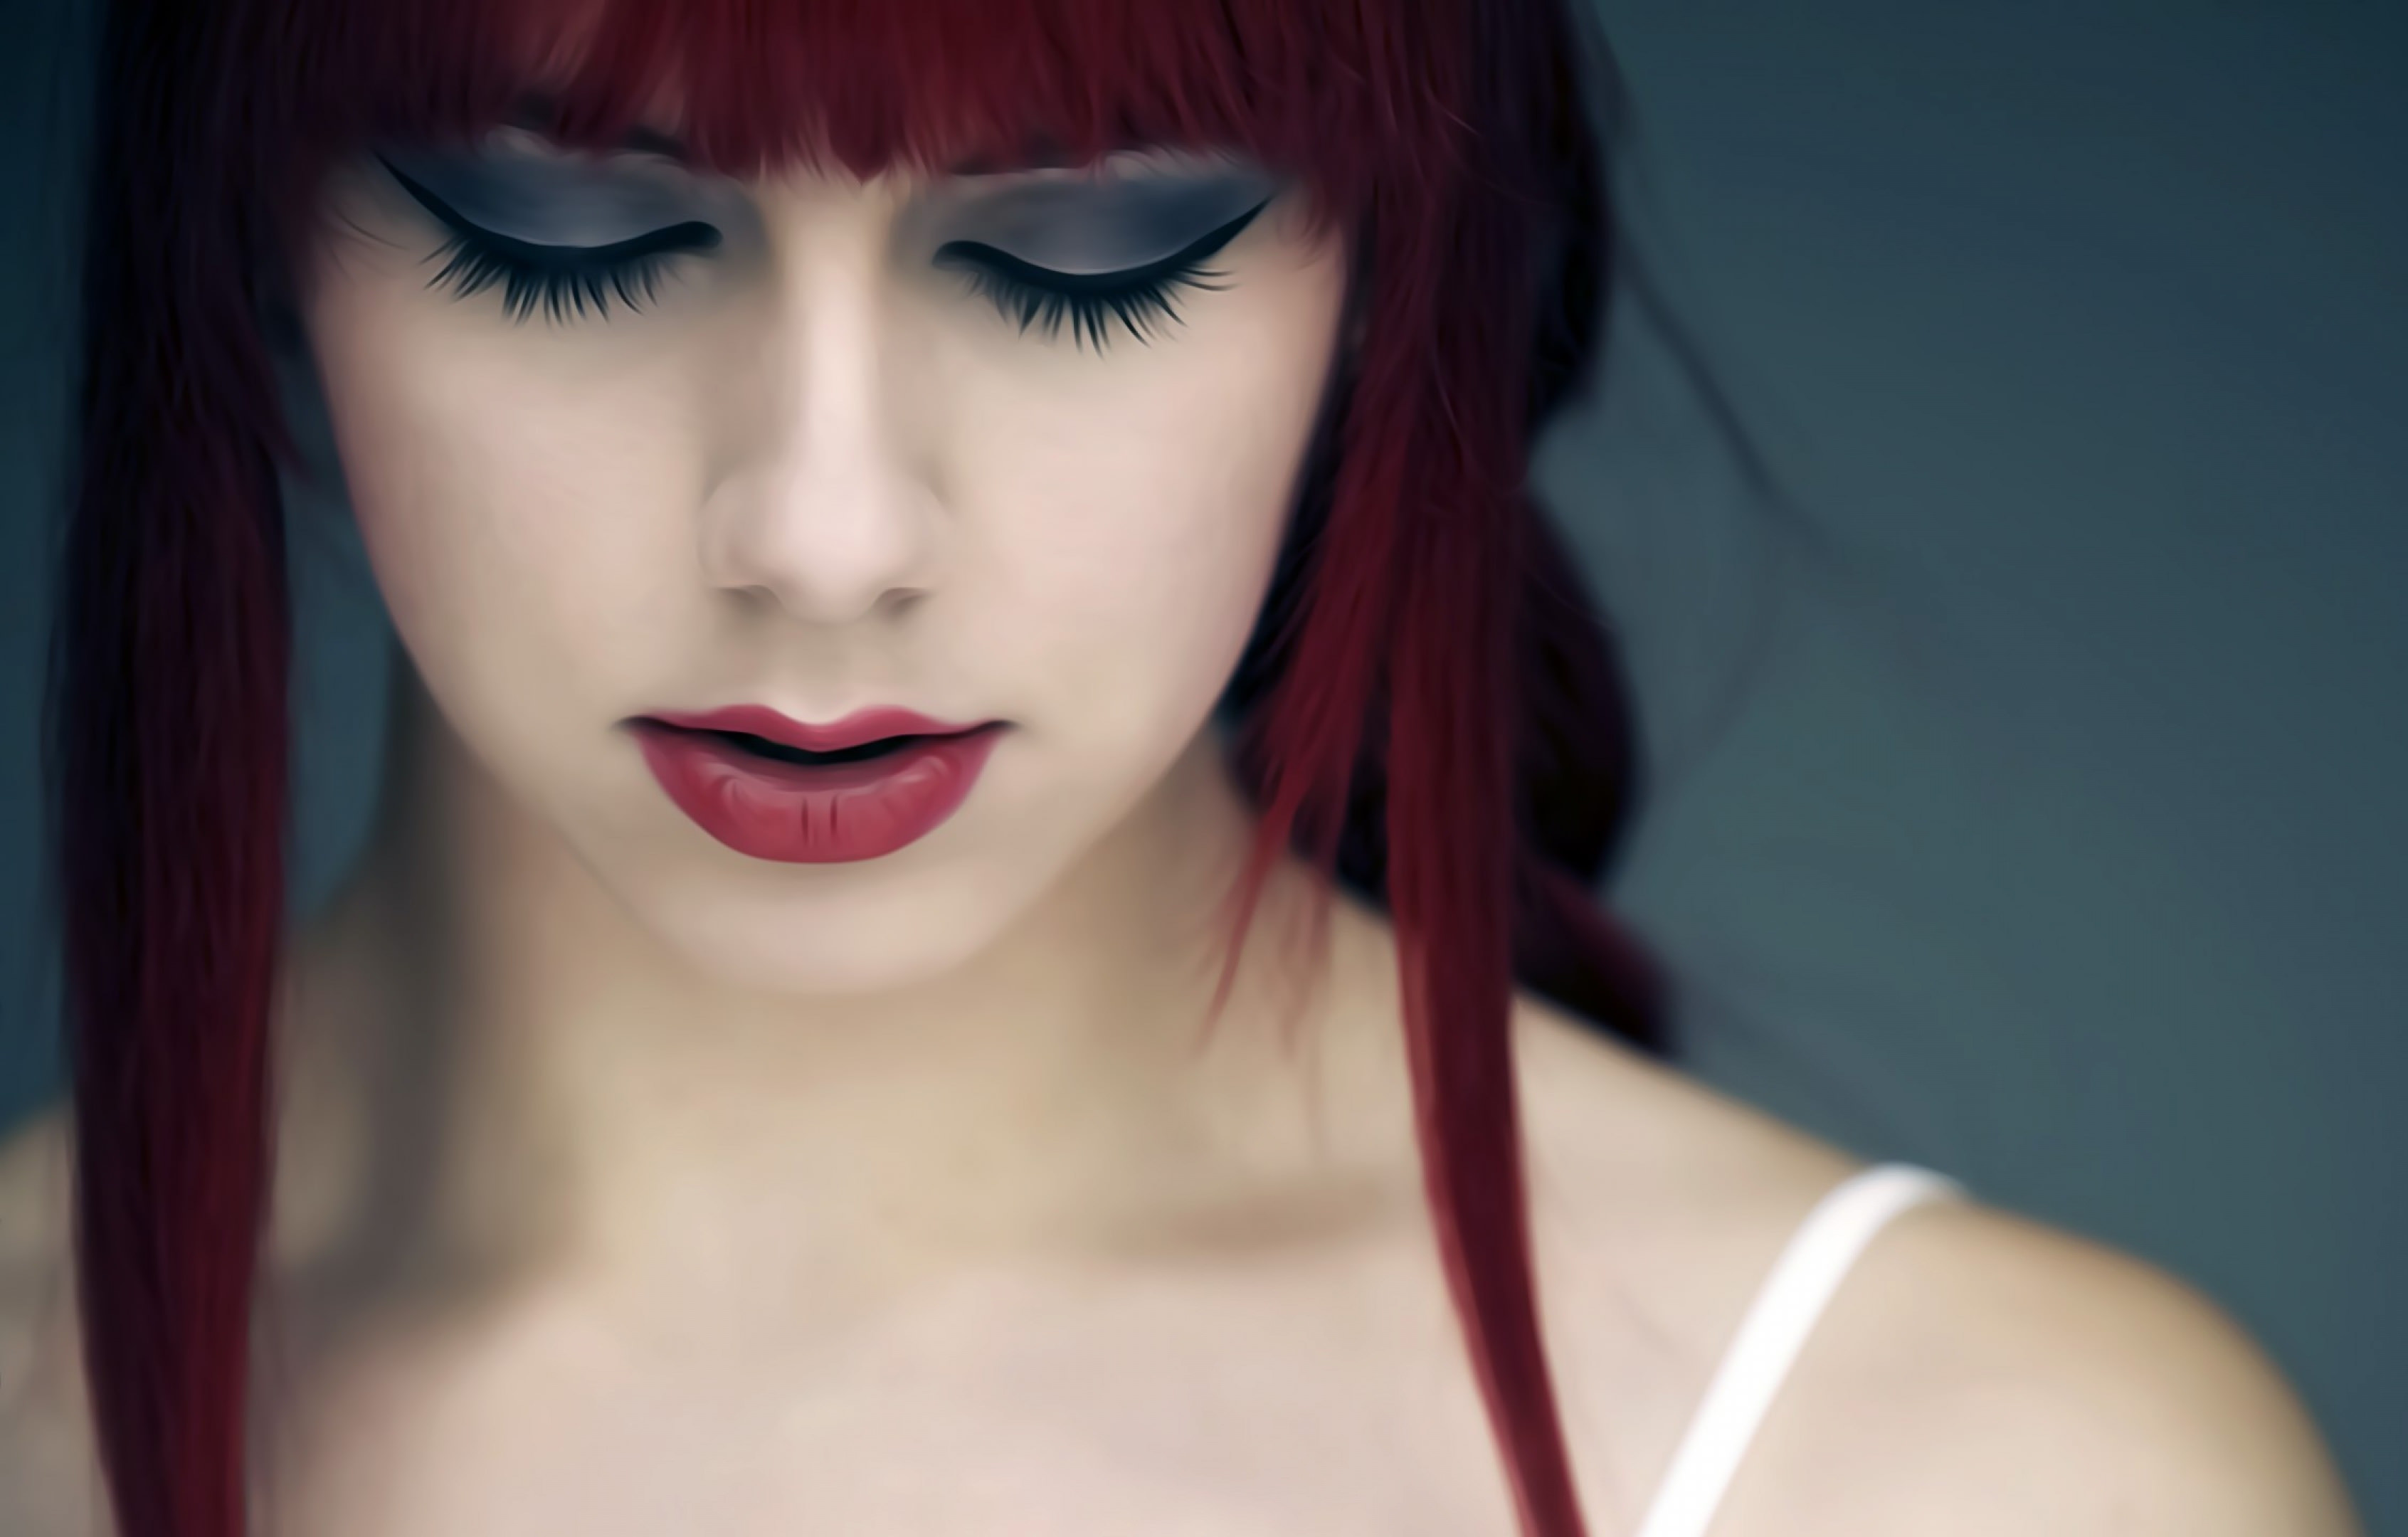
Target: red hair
1429, 708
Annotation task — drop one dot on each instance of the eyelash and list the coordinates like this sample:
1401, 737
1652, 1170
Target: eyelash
570, 280
1139, 306
571, 288
562, 287
1138, 298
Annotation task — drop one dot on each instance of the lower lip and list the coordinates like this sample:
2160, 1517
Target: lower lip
804, 815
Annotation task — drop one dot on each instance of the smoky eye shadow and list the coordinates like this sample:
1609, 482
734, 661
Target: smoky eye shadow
555, 201
1090, 227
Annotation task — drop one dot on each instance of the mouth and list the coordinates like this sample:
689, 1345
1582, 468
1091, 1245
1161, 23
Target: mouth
759, 728
774, 800
777, 752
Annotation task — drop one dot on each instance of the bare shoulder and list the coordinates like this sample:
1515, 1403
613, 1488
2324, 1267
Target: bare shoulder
45, 1478
1977, 1371
1991, 1373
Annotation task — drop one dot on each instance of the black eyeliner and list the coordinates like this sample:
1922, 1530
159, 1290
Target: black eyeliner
1004, 263
692, 234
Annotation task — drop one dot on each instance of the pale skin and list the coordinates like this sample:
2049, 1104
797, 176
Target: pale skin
627, 1184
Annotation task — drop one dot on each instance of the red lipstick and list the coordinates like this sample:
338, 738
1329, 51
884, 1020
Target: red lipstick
773, 787
862, 726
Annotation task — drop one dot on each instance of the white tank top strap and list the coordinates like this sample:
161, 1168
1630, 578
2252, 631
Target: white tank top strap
1802, 1280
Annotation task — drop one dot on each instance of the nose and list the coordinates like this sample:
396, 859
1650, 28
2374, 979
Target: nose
819, 503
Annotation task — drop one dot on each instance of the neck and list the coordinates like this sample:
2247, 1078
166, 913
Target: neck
494, 1074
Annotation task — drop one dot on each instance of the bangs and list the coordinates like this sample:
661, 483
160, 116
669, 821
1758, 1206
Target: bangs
1321, 91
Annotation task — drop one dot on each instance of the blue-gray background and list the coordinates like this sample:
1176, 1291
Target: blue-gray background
2030, 788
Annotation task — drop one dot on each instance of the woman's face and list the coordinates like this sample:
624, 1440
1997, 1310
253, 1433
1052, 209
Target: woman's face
806, 454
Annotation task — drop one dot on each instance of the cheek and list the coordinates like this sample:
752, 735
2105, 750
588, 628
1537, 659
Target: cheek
1137, 502
499, 502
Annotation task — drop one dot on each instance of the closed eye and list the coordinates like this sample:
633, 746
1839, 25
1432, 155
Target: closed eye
562, 280
1138, 298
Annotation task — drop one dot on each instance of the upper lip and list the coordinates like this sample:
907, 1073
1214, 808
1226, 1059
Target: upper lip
862, 726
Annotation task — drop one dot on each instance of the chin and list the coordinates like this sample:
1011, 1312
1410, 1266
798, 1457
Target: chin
846, 939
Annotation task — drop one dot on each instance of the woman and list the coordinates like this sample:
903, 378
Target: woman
914, 532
